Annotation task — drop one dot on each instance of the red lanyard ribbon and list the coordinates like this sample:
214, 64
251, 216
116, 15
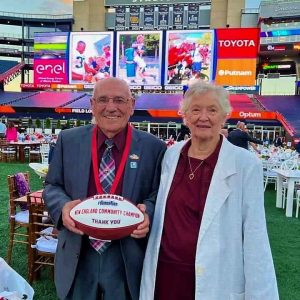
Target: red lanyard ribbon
95, 160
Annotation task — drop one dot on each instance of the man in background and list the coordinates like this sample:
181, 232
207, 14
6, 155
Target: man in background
241, 138
278, 141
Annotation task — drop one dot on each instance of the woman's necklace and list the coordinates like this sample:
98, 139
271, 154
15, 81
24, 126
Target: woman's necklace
192, 174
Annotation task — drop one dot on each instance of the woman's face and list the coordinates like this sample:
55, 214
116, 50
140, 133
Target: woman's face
205, 117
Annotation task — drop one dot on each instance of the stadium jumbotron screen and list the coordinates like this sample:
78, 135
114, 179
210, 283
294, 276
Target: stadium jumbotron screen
50, 57
189, 56
139, 57
90, 56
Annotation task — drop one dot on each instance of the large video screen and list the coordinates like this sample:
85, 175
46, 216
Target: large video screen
90, 56
50, 57
139, 57
189, 56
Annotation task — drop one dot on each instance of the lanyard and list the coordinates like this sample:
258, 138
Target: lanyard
95, 161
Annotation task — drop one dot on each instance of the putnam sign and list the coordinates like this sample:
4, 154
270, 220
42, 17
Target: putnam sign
236, 72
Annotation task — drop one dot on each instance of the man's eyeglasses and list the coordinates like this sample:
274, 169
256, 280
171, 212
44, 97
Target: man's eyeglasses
116, 100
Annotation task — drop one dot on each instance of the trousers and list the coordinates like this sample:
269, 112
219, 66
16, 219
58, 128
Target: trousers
100, 276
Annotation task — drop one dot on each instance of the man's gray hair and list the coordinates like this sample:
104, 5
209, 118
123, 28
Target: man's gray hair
200, 87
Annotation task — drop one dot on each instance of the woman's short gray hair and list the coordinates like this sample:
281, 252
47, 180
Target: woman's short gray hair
200, 87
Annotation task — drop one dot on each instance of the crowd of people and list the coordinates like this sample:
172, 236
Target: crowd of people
204, 232
11, 133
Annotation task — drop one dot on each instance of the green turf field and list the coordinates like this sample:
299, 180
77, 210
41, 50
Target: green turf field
284, 234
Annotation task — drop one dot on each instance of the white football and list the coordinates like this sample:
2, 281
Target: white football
107, 216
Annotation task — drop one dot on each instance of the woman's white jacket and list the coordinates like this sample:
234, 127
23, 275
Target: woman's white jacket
233, 257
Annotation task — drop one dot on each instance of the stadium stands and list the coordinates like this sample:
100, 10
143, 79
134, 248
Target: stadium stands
288, 106
46, 99
10, 70
5, 65
158, 101
242, 102
12, 97
81, 102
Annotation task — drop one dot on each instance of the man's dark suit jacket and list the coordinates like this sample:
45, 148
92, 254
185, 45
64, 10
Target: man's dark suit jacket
241, 138
68, 179
278, 142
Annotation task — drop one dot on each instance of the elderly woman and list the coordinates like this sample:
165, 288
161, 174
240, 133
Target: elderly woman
209, 238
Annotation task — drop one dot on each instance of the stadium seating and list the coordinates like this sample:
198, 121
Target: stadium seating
41, 99
288, 106
5, 65
242, 102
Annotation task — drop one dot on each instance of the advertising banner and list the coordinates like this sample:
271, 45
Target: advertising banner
237, 42
251, 89
148, 17
134, 17
276, 47
50, 57
189, 56
139, 57
178, 16
163, 17
90, 57
50, 71
259, 115
236, 72
193, 16
120, 18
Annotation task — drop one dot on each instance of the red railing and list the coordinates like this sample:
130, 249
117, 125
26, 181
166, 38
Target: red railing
289, 128
11, 71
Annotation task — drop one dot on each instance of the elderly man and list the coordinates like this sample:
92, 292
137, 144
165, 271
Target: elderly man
113, 271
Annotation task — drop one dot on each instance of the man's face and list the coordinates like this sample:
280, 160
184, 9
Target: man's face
112, 117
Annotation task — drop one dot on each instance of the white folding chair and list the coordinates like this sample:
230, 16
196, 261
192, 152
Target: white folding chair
298, 202
44, 151
269, 175
289, 164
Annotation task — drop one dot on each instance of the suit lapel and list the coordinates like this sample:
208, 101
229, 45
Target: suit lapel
84, 162
132, 166
219, 190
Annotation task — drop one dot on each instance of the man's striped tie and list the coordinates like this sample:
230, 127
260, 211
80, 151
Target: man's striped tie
106, 177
